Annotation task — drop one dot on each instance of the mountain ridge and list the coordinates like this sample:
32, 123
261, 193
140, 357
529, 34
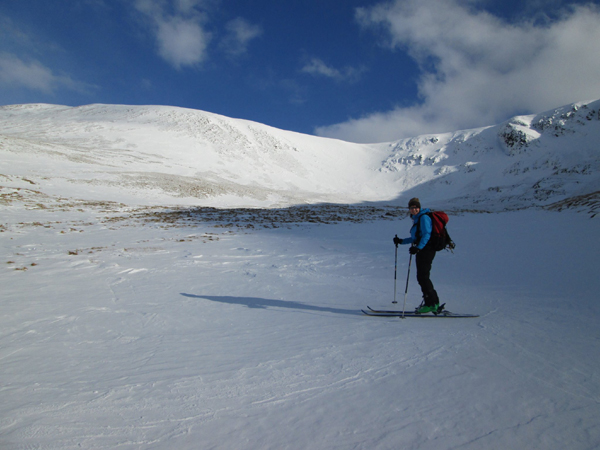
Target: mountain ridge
162, 155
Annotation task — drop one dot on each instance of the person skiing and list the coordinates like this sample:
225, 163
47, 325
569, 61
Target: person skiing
420, 234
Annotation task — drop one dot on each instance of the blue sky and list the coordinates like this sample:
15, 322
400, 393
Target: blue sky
359, 70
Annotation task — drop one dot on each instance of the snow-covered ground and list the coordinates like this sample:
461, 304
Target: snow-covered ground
135, 315
147, 335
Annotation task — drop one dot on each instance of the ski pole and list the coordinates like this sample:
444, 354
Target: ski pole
406, 290
395, 271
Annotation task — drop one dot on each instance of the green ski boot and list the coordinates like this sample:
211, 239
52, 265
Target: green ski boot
424, 309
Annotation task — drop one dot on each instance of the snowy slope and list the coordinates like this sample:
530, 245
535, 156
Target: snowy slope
188, 157
183, 156
528, 160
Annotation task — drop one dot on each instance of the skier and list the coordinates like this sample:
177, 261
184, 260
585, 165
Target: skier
419, 238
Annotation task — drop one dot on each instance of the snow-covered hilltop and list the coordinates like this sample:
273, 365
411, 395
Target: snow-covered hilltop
166, 155
174, 156
528, 160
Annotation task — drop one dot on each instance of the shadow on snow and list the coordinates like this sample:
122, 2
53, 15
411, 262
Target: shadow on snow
264, 303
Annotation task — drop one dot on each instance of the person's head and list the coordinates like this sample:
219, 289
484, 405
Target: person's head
414, 206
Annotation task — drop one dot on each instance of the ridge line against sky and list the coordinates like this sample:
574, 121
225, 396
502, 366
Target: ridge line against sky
358, 70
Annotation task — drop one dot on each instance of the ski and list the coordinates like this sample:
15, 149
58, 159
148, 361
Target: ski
446, 314
395, 311
388, 313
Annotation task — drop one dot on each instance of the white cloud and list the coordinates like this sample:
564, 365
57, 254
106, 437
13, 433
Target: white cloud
318, 67
181, 42
478, 70
181, 30
180, 35
188, 6
239, 34
15, 72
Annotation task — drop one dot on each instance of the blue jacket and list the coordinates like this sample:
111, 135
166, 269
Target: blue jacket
425, 228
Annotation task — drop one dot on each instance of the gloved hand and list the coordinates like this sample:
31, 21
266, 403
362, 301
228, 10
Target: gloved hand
397, 241
413, 250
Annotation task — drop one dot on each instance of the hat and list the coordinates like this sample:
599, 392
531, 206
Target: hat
414, 202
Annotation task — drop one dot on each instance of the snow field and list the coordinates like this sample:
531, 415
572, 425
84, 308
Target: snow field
131, 336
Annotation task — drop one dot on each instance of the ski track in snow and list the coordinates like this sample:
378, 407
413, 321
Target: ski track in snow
140, 335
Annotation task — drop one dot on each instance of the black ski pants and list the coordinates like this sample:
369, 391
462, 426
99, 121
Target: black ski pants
424, 260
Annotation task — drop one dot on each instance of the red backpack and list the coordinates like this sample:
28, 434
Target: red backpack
440, 239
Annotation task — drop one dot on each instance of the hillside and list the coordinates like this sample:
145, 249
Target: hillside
157, 155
